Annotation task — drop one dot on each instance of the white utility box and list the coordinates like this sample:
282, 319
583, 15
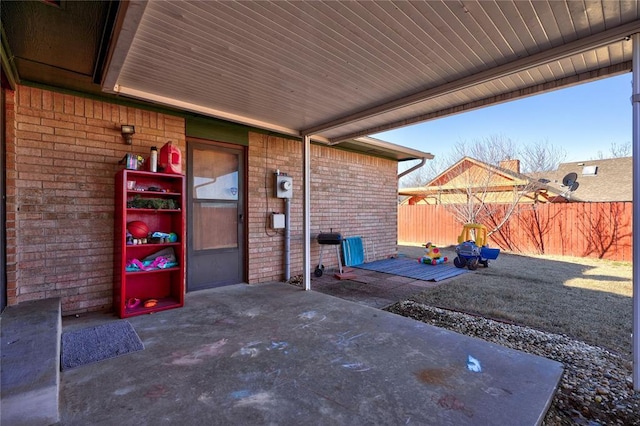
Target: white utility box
277, 220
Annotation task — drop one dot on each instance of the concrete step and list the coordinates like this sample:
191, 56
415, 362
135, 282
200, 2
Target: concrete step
30, 362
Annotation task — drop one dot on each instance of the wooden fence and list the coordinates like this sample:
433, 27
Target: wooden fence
601, 230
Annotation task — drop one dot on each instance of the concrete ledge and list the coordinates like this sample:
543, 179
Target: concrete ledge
30, 362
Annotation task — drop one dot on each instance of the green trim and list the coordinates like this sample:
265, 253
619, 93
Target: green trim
218, 130
6, 59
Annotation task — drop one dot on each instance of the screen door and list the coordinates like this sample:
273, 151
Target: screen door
216, 226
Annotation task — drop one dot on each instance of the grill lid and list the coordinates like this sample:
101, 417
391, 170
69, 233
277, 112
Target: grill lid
329, 238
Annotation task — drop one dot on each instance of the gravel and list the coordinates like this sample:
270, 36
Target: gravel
596, 387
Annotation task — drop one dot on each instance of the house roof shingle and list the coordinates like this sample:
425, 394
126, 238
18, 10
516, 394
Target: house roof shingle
612, 181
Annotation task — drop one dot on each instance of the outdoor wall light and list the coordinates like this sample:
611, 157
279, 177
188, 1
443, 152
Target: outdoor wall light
127, 133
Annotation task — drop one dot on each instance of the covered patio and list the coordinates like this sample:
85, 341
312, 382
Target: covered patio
331, 74
273, 354
357, 69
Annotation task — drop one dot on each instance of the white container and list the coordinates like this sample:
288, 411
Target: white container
153, 160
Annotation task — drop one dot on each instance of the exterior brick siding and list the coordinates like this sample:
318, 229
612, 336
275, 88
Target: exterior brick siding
61, 163
62, 153
351, 193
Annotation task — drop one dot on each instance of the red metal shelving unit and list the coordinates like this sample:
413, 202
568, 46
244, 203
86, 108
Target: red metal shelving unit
166, 286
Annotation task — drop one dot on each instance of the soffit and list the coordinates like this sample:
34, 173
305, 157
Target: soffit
58, 43
340, 70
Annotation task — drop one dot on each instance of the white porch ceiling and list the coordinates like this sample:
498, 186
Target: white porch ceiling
339, 70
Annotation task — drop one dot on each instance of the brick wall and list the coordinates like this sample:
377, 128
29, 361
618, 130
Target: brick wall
63, 152
10, 193
352, 193
61, 162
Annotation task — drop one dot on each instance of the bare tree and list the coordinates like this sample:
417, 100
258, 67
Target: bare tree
477, 194
491, 150
616, 151
421, 176
541, 157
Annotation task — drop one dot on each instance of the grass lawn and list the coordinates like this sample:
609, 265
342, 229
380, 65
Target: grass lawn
587, 299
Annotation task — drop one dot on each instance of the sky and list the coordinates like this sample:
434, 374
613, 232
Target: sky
583, 120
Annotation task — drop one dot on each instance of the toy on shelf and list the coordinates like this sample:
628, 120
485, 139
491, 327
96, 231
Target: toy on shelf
472, 247
432, 256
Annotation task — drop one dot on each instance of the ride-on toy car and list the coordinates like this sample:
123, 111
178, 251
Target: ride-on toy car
472, 248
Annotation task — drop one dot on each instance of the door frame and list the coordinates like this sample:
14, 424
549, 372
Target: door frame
191, 143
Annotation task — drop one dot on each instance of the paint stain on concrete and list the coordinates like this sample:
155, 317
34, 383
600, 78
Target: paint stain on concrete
124, 391
451, 402
199, 355
244, 393
251, 313
497, 391
156, 392
260, 400
249, 350
308, 315
224, 321
279, 346
473, 365
356, 366
436, 376
207, 398
346, 338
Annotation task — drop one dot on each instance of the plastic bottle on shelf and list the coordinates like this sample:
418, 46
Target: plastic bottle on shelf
153, 159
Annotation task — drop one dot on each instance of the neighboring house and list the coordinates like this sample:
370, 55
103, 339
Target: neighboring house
473, 178
610, 179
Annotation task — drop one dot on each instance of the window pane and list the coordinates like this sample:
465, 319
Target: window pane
215, 175
215, 226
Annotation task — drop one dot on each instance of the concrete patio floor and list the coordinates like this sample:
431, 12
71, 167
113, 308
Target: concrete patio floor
276, 354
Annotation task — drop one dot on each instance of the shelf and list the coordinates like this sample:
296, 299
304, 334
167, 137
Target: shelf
167, 285
153, 271
137, 210
163, 304
134, 192
159, 245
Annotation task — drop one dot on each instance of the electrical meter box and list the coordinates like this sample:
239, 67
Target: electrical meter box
284, 186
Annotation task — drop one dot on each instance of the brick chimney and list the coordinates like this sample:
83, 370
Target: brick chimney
512, 165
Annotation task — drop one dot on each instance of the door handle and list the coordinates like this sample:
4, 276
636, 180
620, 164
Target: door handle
240, 218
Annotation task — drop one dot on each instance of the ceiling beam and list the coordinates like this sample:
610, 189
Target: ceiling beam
127, 22
576, 47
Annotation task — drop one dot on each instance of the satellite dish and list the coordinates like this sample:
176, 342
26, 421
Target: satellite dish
574, 186
570, 179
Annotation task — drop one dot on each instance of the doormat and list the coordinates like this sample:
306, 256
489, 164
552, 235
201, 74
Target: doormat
413, 269
98, 343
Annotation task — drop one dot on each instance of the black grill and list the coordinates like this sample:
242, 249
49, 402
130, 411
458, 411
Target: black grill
332, 238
